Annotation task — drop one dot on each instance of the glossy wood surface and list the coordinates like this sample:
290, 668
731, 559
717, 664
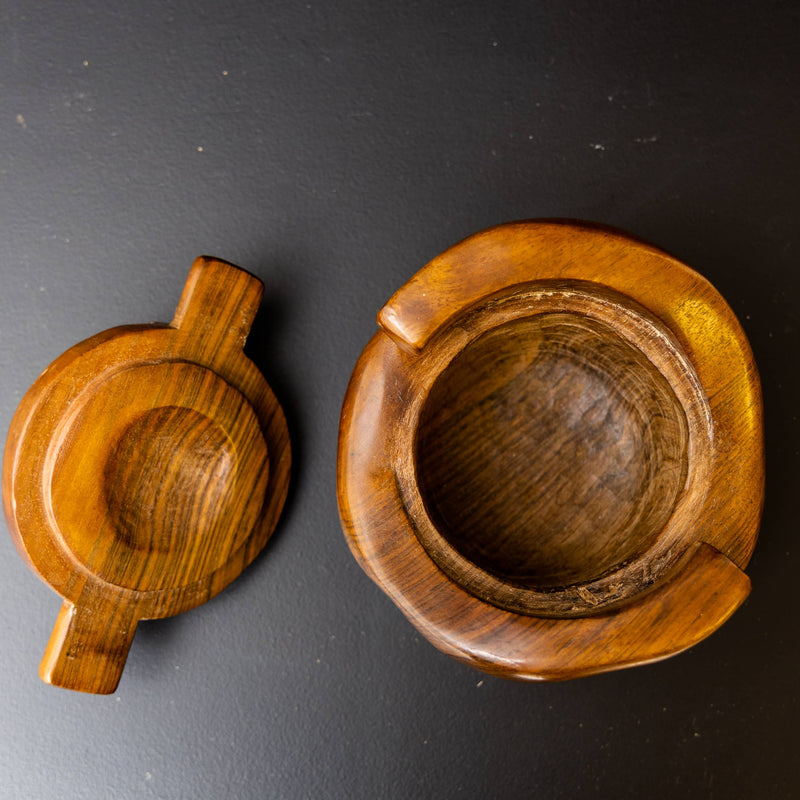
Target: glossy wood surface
143, 471
551, 455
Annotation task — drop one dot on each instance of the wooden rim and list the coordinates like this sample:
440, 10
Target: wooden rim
644, 333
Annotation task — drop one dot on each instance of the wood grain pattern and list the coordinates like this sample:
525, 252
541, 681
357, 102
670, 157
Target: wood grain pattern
551, 454
143, 471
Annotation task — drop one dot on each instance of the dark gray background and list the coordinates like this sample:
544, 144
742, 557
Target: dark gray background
333, 149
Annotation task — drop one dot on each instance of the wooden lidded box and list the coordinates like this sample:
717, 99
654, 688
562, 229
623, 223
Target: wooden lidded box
551, 452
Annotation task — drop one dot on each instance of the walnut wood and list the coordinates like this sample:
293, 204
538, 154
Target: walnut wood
551, 454
144, 469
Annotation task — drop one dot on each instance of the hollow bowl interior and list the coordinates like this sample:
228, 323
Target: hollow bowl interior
551, 451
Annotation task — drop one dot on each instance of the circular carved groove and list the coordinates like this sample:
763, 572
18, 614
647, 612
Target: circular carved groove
550, 451
170, 465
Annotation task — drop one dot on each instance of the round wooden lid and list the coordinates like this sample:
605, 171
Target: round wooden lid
144, 469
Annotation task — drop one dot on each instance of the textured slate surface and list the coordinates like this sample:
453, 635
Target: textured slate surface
333, 148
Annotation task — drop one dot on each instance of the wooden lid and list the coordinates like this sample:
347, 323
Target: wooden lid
551, 454
144, 469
